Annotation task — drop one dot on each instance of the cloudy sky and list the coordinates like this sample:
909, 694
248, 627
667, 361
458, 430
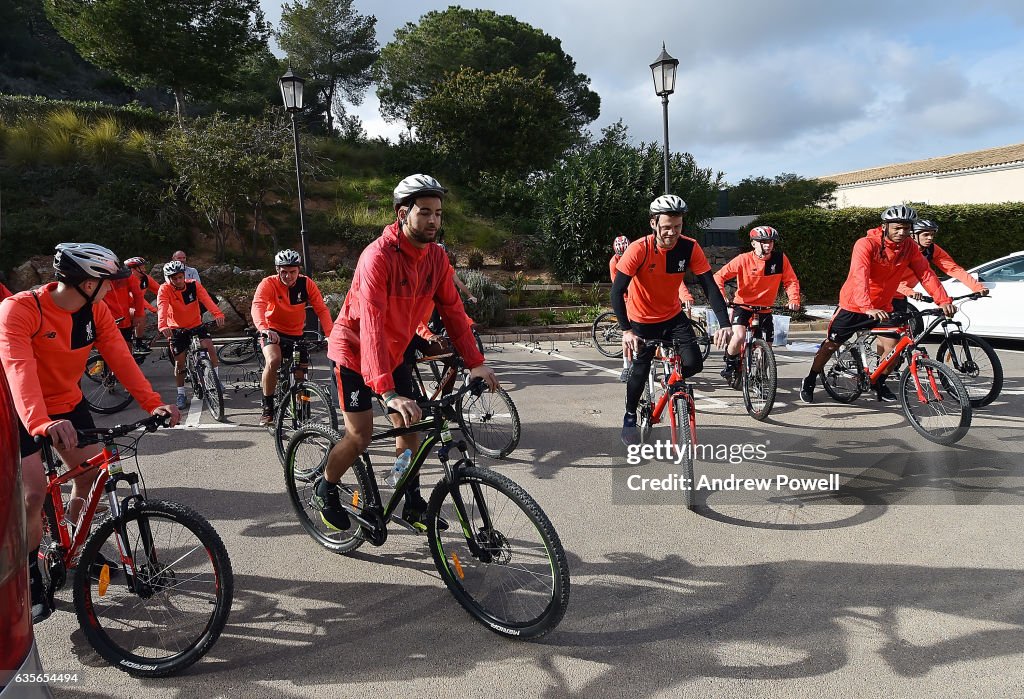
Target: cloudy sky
800, 86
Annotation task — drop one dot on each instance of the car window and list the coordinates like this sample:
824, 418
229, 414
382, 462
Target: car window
1011, 271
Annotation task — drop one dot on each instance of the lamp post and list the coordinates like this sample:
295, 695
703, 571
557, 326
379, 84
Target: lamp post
664, 71
291, 91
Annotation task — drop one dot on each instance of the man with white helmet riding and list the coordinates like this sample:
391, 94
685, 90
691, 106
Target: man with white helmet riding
397, 277
879, 261
46, 337
279, 313
653, 269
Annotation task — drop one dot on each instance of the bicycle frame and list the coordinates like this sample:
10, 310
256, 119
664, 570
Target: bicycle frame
675, 386
906, 345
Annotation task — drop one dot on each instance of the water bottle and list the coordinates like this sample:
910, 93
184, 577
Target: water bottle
400, 467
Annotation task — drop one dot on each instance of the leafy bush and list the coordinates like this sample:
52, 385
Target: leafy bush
819, 241
475, 260
490, 301
513, 254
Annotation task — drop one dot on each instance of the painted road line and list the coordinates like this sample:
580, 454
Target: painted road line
195, 411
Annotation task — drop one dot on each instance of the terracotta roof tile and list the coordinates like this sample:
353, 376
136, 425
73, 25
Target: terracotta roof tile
948, 163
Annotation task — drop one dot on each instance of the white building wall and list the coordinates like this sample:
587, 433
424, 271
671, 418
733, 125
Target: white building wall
989, 186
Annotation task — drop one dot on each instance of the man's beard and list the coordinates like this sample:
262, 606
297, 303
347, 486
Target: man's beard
420, 236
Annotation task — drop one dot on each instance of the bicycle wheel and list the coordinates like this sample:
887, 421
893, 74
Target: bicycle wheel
842, 376
102, 392
760, 379
513, 576
168, 609
941, 412
490, 421
213, 390
238, 352
607, 334
306, 402
703, 339
644, 412
305, 461
683, 440
976, 364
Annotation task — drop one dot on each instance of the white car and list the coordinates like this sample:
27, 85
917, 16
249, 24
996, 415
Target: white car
1000, 314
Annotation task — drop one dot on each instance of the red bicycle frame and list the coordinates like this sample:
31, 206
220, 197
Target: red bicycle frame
673, 389
889, 361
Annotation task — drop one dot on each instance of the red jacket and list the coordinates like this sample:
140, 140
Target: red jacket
283, 309
876, 268
941, 259
125, 295
394, 284
180, 309
759, 279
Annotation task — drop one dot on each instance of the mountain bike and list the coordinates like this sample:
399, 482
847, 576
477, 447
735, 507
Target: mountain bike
666, 387
490, 420
607, 335
102, 392
972, 358
501, 558
199, 372
299, 400
931, 394
241, 351
757, 373
152, 581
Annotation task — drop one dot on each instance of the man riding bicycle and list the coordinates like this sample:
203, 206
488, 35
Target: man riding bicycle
128, 306
758, 274
396, 279
279, 313
179, 318
924, 235
879, 261
46, 337
656, 266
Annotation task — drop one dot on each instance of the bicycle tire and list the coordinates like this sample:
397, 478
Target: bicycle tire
288, 421
956, 404
238, 352
213, 389
607, 335
644, 414
841, 376
101, 390
683, 440
983, 385
499, 535
760, 379
700, 330
199, 560
490, 422
305, 461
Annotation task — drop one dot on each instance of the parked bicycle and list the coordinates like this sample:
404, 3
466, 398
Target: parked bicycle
757, 374
501, 558
299, 400
102, 392
666, 387
152, 582
931, 394
607, 335
241, 351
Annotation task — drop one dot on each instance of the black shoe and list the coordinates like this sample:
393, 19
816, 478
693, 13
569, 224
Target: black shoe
884, 394
731, 365
326, 499
41, 608
415, 513
807, 390
630, 434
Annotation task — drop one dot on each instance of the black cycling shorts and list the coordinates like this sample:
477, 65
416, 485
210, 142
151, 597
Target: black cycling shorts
844, 324
287, 344
79, 416
355, 396
741, 316
180, 338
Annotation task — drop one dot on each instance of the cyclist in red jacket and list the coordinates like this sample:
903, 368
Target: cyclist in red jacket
397, 277
924, 233
880, 259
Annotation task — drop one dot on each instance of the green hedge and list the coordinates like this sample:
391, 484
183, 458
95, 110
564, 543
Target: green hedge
14, 108
819, 241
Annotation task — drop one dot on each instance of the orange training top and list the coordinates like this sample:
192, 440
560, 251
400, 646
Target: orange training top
944, 261
657, 283
180, 309
124, 296
758, 280
44, 348
283, 309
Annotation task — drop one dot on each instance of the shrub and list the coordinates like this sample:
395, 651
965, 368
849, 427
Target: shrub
475, 260
513, 254
490, 300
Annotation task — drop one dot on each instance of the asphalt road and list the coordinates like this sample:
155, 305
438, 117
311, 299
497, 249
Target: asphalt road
908, 583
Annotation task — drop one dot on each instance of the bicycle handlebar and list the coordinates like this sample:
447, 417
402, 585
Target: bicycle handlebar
749, 307
475, 385
95, 435
974, 295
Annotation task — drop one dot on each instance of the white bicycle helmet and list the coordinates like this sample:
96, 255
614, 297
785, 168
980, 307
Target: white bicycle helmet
415, 186
668, 204
287, 258
173, 267
76, 262
900, 213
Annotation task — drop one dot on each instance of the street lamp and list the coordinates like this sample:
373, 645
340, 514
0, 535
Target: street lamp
291, 92
664, 71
